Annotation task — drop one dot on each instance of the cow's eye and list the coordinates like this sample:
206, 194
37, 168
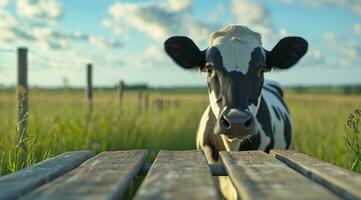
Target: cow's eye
259, 73
264, 69
209, 71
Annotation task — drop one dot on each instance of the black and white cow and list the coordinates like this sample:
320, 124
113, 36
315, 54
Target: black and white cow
246, 112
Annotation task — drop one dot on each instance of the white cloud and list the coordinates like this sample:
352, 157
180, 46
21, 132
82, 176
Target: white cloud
257, 17
283, 32
3, 3
329, 37
102, 42
156, 20
253, 15
11, 31
218, 10
153, 56
316, 54
344, 49
357, 29
354, 5
14, 32
177, 6
329, 52
338, 52
40, 11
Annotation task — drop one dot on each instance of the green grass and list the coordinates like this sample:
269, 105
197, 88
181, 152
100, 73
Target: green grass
320, 125
60, 121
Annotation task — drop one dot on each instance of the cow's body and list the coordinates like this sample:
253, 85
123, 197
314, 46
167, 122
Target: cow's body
274, 127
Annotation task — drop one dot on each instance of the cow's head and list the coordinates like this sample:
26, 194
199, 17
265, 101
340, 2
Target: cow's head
234, 63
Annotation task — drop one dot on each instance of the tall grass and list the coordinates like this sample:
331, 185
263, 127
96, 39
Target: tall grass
353, 140
319, 122
61, 121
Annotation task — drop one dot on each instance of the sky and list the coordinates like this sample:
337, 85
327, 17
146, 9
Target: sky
124, 39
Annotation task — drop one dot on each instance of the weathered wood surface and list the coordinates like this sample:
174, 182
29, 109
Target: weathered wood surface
257, 175
17, 184
344, 182
178, 175
217, 169
106, 176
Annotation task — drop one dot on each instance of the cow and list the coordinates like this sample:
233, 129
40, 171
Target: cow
246, 112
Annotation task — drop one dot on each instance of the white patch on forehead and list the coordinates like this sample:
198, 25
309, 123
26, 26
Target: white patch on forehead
236, 44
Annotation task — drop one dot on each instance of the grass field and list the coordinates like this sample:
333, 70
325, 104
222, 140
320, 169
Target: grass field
60, 121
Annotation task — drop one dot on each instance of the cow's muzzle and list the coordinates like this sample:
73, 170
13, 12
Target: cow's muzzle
235, 123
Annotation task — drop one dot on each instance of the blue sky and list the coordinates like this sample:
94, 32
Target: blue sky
123, 39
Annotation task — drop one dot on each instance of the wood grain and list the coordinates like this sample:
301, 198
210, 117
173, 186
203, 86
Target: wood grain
342, 181
106, 176
257, 175
18, 183
178, 175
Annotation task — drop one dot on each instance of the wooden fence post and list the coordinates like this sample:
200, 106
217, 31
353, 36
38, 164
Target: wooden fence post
140, 101
146, 101
121, 91
89, 89
22, 95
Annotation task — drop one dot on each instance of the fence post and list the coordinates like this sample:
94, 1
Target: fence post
146, 101
121, 91
140, 101
89, 89
22, 95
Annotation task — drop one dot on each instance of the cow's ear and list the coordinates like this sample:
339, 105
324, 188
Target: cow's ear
286, 53
185, 52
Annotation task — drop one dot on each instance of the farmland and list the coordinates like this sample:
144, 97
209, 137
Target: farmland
60, 121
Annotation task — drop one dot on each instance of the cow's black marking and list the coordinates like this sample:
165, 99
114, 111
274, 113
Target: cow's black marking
237, 89
240, 90
275, 110
256, 62
264, 118
278, 96
277, 88
287, 130
214, 57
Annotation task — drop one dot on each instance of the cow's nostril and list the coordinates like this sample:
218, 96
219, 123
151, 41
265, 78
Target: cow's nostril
248, 122
225, 123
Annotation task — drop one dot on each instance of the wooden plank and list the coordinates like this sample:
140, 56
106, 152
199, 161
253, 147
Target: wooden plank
18, 183
178, 175
106, 176
257, 175
217, 169
344, 182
